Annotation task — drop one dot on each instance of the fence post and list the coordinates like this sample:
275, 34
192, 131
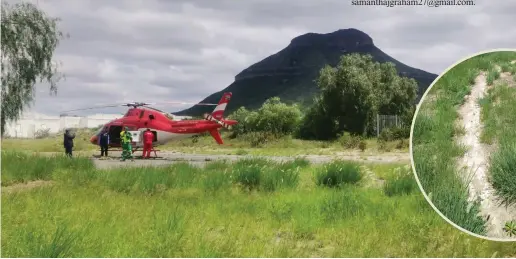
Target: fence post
377, 125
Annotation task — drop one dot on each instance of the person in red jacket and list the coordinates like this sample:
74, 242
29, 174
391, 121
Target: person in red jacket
148, 137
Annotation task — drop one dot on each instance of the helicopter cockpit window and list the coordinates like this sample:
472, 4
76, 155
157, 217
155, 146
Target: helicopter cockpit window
151, 116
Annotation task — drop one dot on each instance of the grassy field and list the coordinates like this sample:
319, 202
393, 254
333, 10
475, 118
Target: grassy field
434, 151
243, 145
254, 208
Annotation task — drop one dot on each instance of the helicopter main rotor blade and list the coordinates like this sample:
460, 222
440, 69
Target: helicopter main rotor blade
204, 104
96, 107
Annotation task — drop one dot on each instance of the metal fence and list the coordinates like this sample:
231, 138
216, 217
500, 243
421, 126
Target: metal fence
387, 121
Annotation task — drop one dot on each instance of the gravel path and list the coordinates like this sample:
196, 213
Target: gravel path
166, 158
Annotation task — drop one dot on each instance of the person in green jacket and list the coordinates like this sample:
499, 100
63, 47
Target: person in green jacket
127, 148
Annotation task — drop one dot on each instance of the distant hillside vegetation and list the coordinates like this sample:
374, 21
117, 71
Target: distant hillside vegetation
290, 73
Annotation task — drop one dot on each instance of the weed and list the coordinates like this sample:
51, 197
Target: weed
510, 228
59, 246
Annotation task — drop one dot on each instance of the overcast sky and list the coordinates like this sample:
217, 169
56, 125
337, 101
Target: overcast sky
164, 50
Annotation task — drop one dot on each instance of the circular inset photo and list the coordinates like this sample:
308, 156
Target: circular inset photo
463, 145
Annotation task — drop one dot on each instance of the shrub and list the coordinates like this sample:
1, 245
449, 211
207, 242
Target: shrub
362, 145
338, 173
394, 133
259, 139
383, 145
349, 141
402, 143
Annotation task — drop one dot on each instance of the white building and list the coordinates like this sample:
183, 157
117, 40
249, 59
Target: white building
30, 123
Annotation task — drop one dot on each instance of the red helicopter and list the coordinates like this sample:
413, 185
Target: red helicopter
141, 117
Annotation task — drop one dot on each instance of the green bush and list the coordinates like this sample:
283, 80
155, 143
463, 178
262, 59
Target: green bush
337, 173
274, 117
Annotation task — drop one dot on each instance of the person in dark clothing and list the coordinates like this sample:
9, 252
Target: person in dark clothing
68, 142
104, 143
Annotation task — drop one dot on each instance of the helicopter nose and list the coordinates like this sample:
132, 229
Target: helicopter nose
93, 140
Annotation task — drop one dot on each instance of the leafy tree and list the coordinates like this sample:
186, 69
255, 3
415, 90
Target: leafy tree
29, 39
353, 93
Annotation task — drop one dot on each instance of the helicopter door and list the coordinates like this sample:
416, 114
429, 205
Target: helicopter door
114, 134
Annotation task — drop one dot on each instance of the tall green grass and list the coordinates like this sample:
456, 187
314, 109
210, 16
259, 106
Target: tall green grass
400, 183
22, 167
186, 211
435, 152
498, 109
503, 172
344, 222
338, 173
